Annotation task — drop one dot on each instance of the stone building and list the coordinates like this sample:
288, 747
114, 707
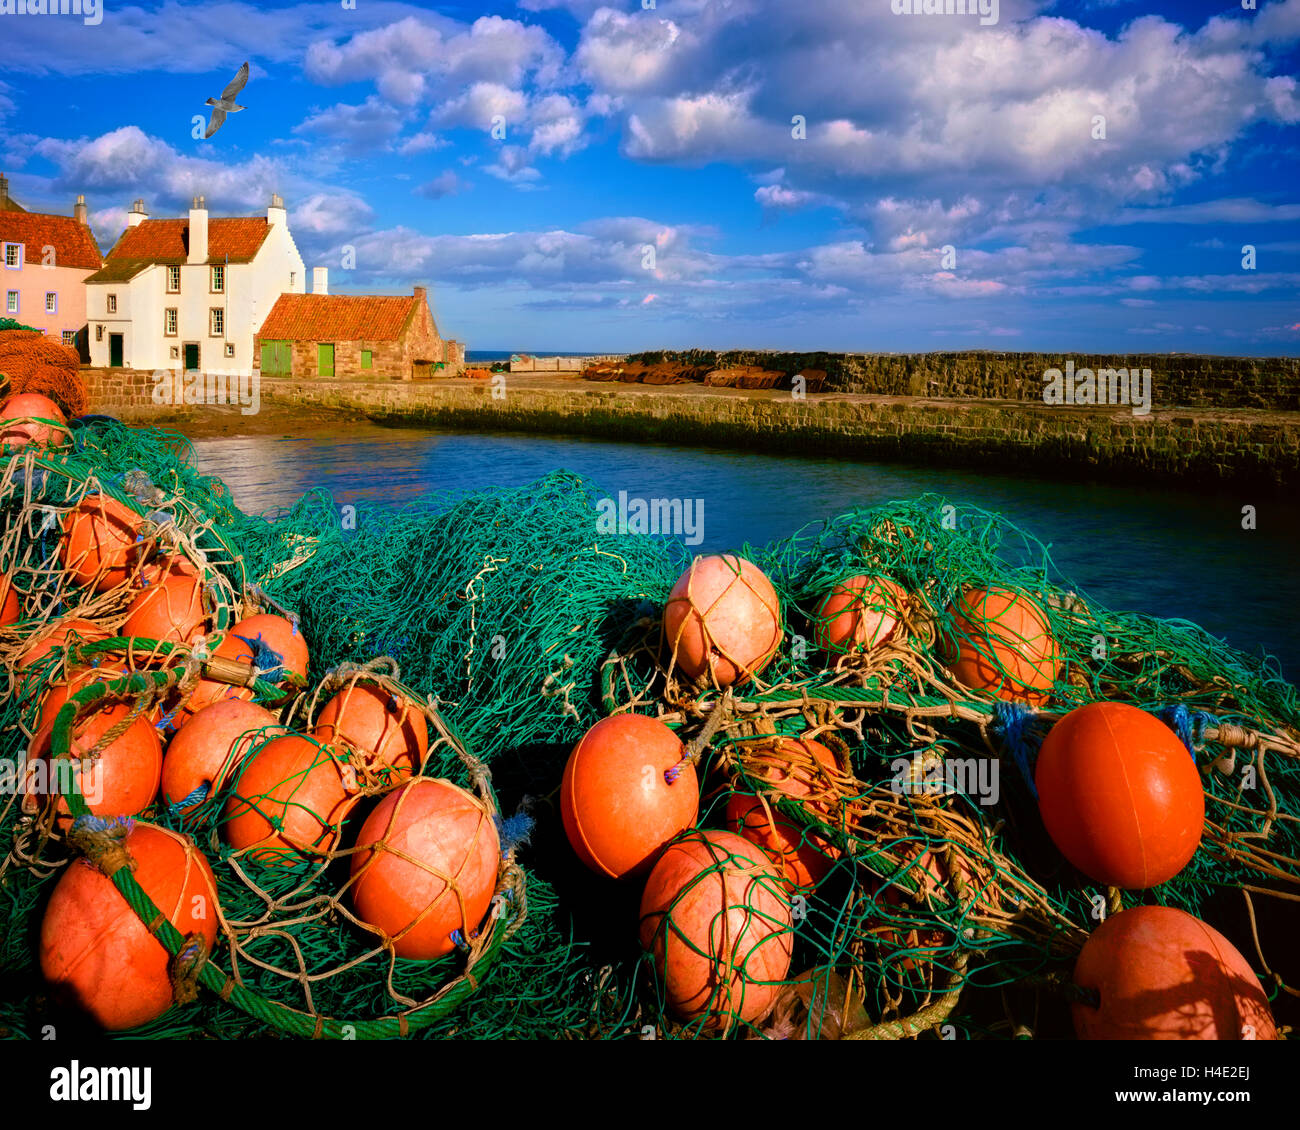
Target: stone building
387, 337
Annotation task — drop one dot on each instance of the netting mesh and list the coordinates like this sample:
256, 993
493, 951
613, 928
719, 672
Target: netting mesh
515, 625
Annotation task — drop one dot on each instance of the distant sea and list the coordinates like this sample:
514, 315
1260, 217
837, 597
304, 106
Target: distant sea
485, 356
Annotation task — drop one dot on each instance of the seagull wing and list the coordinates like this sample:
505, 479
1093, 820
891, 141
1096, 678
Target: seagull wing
236, 84
218, 116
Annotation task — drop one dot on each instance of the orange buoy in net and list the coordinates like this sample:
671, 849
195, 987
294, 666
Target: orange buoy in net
96, 954
60, 635
1000, 640
211, 746
931, 887
276, 645
164, 568
789, 769
1160, 974
120, 780
618, 806
208, 691
1120, 795
858, 614
53, 700
388, 729
288, 803
170, 611
99, 545
10, 606
426, 867
715, 917
31, 404
722, 620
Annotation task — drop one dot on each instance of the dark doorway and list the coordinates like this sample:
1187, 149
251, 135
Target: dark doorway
115, 351
191, 356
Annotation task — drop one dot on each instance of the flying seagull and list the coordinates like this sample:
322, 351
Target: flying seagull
226, 103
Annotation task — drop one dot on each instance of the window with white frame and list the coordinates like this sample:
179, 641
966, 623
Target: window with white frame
169, 321
230, 349
218, 279
99, 333
13, 255
51, 302
292, 276
111, 301
11, 302
217, 320
173, 280
70, 337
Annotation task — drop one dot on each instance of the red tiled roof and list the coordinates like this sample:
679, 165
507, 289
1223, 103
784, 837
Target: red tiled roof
233, 239
337, 317
73, 244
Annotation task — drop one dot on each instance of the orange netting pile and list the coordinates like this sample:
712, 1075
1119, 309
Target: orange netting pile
34, 363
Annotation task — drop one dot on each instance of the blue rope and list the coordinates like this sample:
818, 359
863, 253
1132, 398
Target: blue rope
514, 830
265, 658
92, 823
196, 797
1011, 721
1189, 725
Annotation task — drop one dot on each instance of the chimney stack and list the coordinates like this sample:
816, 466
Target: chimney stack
198, 231
4, 190
276, 213
320, 280
137, 214
79, 209
422, 293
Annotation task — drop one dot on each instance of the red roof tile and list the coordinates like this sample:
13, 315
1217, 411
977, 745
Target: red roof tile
234, 239
337, 317
73, 244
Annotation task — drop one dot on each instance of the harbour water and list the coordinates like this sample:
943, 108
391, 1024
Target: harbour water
1164, 552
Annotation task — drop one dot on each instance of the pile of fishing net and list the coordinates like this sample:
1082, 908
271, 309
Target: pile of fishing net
853, 843
34, 364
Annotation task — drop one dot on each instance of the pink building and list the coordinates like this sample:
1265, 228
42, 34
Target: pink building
44, 262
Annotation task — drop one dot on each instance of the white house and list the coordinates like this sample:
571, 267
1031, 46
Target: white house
190, 292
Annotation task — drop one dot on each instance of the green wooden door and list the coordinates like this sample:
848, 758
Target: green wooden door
325, 359
115, 351
191, 356
277, 358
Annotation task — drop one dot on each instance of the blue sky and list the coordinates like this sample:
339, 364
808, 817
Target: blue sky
627, 128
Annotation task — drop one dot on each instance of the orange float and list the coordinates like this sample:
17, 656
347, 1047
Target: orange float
96, 954
33, 404
1120, 795
40, 645
617, 806
209, 691
273, 641
858, 614
1000, 640
385, 727
100, 543
1161, 974
788, 769
54, 699
930, 875
299, 786
427, 867
121, 781
10, 606
171, 611
716, 920
211, 746
164, 568
722, 620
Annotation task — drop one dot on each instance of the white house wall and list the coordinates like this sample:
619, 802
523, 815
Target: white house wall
251, 289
